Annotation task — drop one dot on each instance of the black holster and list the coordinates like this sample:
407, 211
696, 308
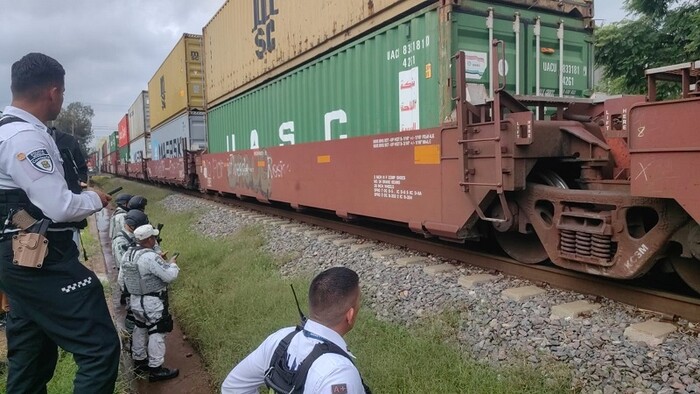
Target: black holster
165, 323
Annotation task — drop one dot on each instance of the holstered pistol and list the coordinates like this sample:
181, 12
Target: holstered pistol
29, 246
29, 249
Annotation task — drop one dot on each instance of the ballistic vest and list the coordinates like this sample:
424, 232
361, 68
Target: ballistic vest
134, 282
120, 244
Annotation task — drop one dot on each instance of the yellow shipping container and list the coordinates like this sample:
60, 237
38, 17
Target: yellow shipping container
178, 84
250, 41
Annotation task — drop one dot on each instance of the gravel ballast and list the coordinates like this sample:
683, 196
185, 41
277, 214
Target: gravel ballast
491, 328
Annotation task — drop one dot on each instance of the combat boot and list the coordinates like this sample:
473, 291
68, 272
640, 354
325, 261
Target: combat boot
162, 373
141, 367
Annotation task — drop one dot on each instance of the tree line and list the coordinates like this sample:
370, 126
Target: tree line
662, 33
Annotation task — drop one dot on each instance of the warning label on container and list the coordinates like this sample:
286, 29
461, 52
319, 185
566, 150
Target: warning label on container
475, 64
404, 140
409, 111
389, 186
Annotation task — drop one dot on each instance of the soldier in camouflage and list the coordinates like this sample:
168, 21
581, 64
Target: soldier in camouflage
116, 223
146, 277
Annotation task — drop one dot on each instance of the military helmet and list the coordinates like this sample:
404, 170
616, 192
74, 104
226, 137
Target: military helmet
135, 218
137, 202
122, 200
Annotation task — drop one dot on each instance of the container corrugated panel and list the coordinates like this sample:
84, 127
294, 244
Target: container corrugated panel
113, 141
471, 36
179, 82
287, 34
137, 149
139, 116
356, 91
124, 154
186, 131
123, 129
391, 80
253, 39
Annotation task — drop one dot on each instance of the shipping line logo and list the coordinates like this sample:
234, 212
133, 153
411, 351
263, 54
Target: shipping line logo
264, 26
475, 64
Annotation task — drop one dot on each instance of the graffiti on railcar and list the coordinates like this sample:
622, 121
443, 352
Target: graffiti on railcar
256, 172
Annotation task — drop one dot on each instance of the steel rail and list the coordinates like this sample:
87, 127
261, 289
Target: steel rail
666, 303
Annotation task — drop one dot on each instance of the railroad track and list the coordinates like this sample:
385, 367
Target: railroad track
670, 305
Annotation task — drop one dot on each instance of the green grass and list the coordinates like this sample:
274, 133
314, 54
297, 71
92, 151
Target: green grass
92, 246
229, 297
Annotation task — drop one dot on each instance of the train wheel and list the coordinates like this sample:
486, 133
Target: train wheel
527, 248
550, 178
688, 270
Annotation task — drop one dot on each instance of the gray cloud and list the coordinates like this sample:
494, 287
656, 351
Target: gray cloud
110, 49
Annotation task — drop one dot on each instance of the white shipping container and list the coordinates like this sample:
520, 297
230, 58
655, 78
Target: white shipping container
139, 117
140, 149
186, 131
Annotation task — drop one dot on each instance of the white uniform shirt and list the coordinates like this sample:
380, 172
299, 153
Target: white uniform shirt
330, 373
30, 160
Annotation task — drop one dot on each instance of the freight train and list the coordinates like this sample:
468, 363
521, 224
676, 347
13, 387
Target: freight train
461, 120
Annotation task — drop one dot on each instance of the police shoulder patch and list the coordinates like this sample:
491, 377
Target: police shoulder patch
41, 160
339, 388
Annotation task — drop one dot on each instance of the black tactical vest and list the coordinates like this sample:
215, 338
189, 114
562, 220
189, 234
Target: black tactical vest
281, 379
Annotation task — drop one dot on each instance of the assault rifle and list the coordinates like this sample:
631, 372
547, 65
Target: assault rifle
112, 192
159, 226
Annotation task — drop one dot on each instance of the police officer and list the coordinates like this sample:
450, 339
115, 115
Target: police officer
116, 222
146, 276
334, 301
62, 302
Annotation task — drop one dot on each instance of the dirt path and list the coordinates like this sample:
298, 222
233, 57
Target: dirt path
179, 352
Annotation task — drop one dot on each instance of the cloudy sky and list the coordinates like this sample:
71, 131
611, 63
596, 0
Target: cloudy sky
110, 49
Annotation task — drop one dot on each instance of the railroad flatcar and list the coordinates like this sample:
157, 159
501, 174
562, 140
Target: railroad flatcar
461, 120
601, 188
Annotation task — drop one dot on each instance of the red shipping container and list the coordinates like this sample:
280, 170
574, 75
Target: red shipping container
124, 131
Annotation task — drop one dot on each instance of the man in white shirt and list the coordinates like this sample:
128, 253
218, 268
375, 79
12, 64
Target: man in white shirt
334, 301
59, 302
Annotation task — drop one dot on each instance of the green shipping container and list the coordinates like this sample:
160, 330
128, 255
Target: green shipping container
124, 154
398, 78
113, 141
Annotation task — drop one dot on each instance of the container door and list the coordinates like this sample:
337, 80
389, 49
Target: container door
574, 77
198, 132
472, 36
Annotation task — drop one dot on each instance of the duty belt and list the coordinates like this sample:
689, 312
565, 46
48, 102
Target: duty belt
159, 294
16, 199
